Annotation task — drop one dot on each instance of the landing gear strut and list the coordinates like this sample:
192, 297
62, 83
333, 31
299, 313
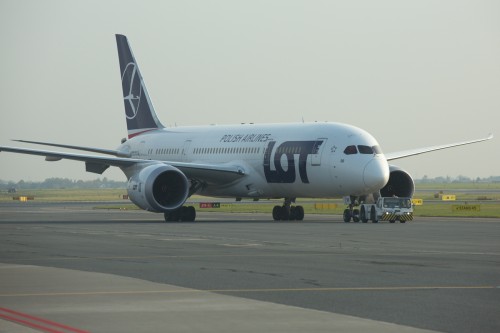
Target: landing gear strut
182, 214
287, 212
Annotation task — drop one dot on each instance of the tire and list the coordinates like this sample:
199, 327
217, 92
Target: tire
277, 213
173, 215
166, 216
373, 215
190, 214
355, 215
299, 213
362, 215
347, 216
293, 213
284, 214
183, 214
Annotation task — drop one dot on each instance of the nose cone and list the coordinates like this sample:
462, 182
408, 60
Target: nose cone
376, 174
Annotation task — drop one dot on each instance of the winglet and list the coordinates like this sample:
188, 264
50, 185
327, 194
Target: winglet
139, 111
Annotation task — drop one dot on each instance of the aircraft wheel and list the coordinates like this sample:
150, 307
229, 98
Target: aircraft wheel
362, 215
188, 214
392, 221
172, 216
284, 214
373, 215
277, 213
299, 213
184, 214
347, 215
166, 215
355, 215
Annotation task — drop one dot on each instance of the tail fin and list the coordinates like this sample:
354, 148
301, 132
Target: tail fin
139, 110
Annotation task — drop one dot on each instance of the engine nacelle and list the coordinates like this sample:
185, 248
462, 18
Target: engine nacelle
400, 184
158, 188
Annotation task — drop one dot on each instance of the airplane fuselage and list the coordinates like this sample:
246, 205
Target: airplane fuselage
292, 160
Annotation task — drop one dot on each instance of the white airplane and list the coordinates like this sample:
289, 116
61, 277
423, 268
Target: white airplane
165, 166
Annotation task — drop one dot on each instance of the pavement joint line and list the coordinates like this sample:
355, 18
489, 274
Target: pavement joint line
342, 252
250, 290
172, 256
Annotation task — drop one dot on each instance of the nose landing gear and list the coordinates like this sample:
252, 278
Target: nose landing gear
350, 212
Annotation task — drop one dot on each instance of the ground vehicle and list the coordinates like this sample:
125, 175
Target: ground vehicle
390, 209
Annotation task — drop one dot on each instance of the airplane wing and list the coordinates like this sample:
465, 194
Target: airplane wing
91, 149
418, 151
210, 173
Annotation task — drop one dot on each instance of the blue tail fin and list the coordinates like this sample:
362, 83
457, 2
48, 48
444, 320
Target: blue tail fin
139, 110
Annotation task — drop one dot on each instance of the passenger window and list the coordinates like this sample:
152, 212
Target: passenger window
365, 149
350, 150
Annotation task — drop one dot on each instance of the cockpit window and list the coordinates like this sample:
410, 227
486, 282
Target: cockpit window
350, 150
377, 150
365, 149
362, 149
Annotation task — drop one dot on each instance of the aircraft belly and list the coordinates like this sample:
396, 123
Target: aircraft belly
320, 185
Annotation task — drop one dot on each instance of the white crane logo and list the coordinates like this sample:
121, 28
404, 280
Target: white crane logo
131, 83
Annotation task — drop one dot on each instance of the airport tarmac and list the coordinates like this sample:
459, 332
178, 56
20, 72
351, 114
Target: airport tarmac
114, 271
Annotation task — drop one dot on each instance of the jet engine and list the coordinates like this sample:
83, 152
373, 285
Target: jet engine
158, 188
400, 183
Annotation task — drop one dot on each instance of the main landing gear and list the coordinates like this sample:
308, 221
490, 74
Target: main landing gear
182, 214
287, 212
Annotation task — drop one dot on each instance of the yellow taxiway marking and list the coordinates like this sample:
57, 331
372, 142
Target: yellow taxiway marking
257, 290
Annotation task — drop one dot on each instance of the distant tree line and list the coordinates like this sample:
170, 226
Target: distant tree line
60, 183
459, 179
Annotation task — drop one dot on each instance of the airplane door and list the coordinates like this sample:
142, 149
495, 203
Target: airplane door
317, 151
185, 150
142, 150
336, 163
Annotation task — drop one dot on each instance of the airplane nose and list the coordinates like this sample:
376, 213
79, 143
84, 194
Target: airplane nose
376, 174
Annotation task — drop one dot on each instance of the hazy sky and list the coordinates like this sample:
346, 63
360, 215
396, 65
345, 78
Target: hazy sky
412, 73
